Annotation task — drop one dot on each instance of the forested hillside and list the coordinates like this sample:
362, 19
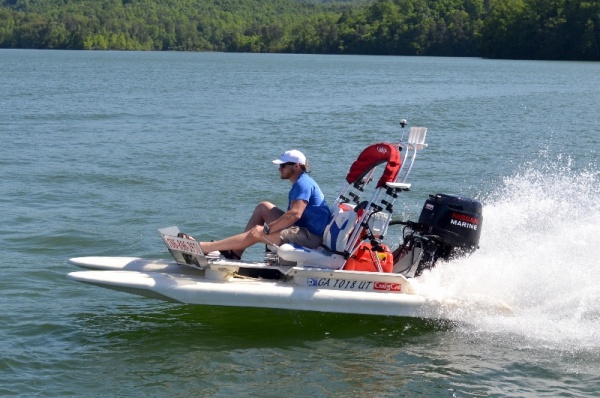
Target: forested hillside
520, 29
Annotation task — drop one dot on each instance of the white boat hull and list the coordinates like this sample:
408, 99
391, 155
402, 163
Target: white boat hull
170, 281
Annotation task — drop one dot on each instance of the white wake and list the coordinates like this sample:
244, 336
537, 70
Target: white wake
540, 255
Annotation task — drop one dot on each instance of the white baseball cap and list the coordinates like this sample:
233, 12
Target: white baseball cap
293, 156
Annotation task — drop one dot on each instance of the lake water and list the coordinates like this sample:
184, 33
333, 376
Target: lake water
99, 149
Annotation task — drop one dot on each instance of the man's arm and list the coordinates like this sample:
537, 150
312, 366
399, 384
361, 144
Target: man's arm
290, 217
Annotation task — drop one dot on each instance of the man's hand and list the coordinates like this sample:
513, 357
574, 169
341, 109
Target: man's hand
258, 232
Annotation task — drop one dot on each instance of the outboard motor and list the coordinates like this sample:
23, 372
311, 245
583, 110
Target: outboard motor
449, 226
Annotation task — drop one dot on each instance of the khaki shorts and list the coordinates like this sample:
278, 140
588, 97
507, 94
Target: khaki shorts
300, 236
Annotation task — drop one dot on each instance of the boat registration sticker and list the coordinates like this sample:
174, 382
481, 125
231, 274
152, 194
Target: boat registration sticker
388, 287
183, 245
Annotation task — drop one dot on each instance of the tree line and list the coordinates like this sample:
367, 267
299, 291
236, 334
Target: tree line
514, 29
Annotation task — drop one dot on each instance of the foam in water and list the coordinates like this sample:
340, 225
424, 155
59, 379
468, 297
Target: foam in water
540, 250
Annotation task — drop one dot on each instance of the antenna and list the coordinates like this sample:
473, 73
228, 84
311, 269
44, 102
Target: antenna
403, 124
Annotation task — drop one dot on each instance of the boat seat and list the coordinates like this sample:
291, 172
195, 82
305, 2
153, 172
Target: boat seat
337, 232
335, 239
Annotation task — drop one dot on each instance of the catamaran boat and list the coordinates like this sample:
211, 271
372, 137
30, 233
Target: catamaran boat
353, 272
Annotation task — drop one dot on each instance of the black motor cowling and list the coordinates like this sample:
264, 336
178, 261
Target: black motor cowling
449, 226
453, 220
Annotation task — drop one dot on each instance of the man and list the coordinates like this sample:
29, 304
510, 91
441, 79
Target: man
303, 223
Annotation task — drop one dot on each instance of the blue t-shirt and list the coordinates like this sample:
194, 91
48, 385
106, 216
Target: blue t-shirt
316, 215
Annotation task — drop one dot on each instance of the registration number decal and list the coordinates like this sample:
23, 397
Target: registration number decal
345, 284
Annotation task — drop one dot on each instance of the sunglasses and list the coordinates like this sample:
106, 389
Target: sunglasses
282, 165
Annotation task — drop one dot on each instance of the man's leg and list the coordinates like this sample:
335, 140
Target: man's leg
238, 243
265, 212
